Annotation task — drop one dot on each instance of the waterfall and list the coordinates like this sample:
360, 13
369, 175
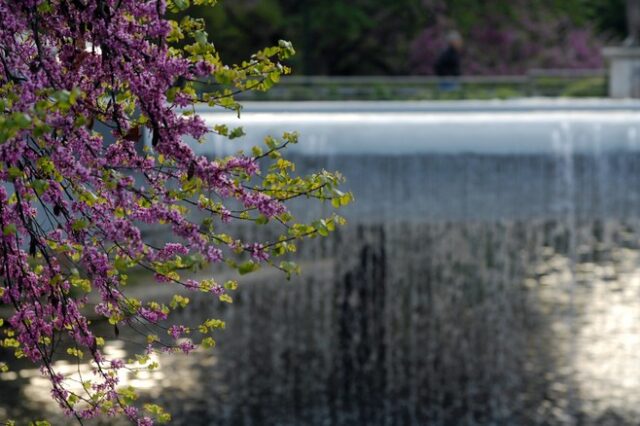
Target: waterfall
489, 273
462, 290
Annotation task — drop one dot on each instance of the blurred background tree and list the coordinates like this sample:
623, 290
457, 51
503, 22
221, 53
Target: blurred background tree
332, 37
381, 37
608, 16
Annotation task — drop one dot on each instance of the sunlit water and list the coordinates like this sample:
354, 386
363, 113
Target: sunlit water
489, 275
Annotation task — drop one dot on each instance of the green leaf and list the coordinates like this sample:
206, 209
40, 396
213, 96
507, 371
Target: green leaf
248, 267
20, 119
271, 142
208, 343
181, 4
14, 172
289, 268
229, 285
236, 133
79, 225
201, 36
221, 129
226, 298
9, 229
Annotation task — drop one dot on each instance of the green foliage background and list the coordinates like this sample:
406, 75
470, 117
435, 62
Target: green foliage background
373, 37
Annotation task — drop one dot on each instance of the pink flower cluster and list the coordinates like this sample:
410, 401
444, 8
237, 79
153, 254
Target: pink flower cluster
72, 206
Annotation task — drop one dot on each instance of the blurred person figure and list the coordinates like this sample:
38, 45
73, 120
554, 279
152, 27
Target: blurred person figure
448, 62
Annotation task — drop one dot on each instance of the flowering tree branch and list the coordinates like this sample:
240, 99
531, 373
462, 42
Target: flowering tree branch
72, 205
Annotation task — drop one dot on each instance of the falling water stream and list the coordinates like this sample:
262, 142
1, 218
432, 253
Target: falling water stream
489, 275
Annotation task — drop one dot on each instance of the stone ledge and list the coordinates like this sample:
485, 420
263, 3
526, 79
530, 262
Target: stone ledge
621, 52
